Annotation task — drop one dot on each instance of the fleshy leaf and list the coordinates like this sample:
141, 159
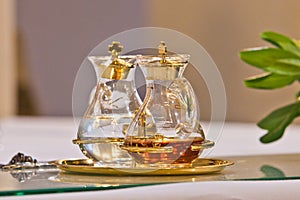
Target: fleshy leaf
297, 95
283, 68
275, 38
290, 61
277, 121
297, 43
281, 41
269, 81
264, 57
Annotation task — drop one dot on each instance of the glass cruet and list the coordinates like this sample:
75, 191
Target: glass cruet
166, 129
114, 102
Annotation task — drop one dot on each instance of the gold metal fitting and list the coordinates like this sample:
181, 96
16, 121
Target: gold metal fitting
115, 49
162, 51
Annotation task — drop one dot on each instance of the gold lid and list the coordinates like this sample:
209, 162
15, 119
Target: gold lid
115, 67
163, 66
163, 59
119, 67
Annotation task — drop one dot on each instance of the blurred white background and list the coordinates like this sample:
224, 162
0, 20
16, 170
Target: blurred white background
43, 43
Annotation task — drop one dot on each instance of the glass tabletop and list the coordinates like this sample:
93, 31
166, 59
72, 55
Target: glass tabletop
38, 181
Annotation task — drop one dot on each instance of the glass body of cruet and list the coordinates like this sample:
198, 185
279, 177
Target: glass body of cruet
166, 129
114, 102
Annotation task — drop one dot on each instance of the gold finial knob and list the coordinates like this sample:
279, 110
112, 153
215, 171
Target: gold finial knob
162, 48
115, 48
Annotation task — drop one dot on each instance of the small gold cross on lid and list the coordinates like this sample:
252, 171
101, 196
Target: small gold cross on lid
162, 50
115, 49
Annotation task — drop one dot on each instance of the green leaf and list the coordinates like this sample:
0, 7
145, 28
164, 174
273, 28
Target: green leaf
264, 57
297, 43
291, 48
290, 61
268, 81
283, 68
282, 41
275, 38
297, 95
277, 121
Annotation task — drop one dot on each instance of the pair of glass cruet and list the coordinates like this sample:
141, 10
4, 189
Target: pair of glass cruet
118, 128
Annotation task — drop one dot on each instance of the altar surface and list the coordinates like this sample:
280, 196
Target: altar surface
260, 170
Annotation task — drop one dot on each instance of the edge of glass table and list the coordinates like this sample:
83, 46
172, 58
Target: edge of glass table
262, 167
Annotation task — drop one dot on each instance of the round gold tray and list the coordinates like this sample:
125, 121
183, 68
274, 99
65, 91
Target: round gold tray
87, 166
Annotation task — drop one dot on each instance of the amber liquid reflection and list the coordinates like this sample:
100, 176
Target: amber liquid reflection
163, 151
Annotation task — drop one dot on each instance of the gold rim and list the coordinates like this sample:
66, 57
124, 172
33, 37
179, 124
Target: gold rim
199, 166
98, 140
167, 149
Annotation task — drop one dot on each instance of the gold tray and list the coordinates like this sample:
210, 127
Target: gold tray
87, 166
104, 180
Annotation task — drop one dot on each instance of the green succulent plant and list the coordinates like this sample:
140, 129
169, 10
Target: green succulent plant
281, 66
